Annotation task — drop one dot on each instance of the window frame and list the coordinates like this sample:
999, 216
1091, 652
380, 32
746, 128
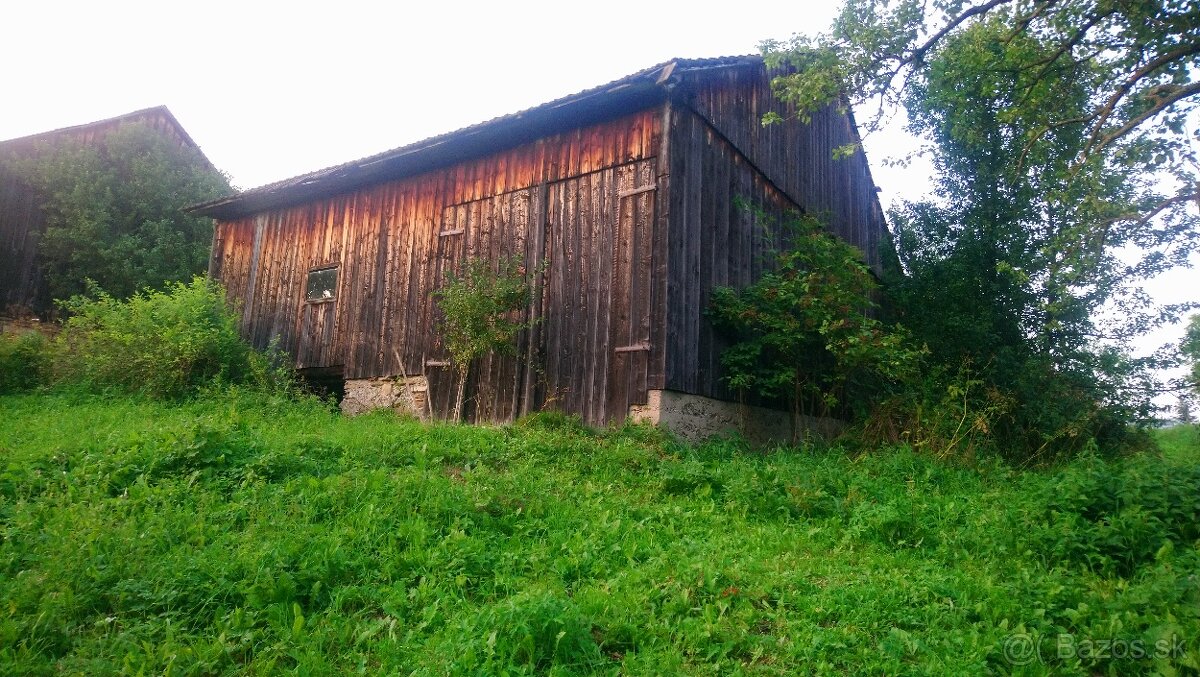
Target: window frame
308, 298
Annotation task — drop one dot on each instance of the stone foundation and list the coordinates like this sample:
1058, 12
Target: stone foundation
695, 418
408, 396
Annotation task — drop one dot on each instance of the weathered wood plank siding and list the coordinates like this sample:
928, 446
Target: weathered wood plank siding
627, 225
584, 201
22, 285
798, 158
722, 217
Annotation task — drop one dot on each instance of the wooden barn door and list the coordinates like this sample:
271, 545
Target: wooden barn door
595, 338
633, 266
316, 334
493, 228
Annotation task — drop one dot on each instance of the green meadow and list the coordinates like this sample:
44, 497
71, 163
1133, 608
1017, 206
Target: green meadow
237, 533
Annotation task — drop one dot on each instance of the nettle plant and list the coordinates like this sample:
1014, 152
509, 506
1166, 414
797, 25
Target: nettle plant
803, 334
481, 314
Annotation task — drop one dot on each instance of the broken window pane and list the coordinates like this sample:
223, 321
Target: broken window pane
322, 284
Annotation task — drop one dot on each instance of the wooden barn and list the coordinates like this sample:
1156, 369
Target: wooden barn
22, 286
639, 196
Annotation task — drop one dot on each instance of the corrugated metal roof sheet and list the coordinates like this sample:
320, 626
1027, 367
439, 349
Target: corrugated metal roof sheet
632, 92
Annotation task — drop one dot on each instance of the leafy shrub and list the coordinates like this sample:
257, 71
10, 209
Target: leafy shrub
1116, 516
164, 344
114, 209
24, 361
947, 415
535, 630
804, 334
479, 310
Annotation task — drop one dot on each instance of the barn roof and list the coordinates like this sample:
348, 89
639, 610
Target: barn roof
628, 94
23, 143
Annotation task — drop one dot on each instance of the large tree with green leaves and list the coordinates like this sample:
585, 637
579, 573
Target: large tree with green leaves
1065, 178
113, 210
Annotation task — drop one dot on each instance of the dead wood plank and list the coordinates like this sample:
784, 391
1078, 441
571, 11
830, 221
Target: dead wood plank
637, 191
640, 347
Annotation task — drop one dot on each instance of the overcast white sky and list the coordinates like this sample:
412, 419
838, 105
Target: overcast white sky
275, 89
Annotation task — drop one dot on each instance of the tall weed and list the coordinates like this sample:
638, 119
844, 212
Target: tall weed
1117, 516
162, 344
24, 361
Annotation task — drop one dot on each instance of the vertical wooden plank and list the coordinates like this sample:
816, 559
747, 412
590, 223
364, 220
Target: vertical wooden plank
621, 333
606, 217
657, 370
397, 286
517, 215
722, 198
584, 379
410, 332
569, 364
554, 299
646, 271
537, 260
677, 238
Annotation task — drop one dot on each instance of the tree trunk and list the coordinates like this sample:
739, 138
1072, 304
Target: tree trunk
461, 392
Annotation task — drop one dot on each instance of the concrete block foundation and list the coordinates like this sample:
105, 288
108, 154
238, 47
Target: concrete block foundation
696, 418
692, 417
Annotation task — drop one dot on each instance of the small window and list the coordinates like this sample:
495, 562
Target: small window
322, 284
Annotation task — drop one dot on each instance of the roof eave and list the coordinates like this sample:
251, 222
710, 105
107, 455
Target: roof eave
444, 150
635, 92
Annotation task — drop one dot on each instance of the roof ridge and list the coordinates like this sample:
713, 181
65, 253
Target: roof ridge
161, 108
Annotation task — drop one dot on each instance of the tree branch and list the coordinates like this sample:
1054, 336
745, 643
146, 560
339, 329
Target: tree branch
918, 55
1159, 106
1105, 112
1143, 218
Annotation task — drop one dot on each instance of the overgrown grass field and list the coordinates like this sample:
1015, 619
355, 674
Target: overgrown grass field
239, 533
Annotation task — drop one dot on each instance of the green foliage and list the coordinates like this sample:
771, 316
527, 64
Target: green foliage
1180, 442
1190, 349
24, 361
533, 631
1056, 129
1117, 517
164, 344
803, 333
1022, 258
948, 415
1135, 63
113, 210
480, 311
1057, 132
236, 534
